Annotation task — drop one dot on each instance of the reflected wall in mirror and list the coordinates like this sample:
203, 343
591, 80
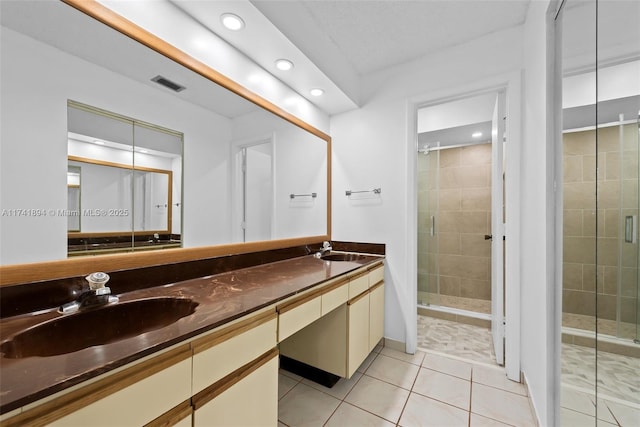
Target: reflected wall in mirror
129, 182
115, 73
600, 57
74, 204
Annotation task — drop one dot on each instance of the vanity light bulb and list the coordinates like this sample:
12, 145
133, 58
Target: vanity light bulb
476, 134
232, 22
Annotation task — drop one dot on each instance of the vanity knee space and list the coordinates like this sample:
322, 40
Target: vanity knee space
350, 326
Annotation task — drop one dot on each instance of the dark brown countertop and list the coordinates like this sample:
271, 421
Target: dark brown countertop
222, 298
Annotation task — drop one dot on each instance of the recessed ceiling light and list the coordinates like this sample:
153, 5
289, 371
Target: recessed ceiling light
142, 150
284, 64
231, 21
476, 134
316, 92
97, 141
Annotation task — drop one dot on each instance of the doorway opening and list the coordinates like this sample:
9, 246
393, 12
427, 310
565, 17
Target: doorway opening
460, 265
254, 192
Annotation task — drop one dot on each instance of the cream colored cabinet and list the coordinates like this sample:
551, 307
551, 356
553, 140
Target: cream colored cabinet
132, 396
297, 314
357, 332
248, 397
234, 367
376, 314
138, 403
224, 350
334, 295
349, 328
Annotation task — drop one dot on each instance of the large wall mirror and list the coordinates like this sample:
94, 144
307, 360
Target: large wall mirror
232, 179
124, 183
599, 67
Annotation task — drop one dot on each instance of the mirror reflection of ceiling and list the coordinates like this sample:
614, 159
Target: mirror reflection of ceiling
88, 126
455, 122
116, 53
612, 42
618, 33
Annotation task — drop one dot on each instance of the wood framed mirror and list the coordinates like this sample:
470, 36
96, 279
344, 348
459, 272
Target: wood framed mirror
207, 212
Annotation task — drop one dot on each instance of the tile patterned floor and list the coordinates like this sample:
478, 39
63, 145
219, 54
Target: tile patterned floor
457, 339
392, 388
618, 402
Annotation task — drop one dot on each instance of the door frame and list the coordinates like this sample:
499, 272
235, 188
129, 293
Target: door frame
511, 84
236, 187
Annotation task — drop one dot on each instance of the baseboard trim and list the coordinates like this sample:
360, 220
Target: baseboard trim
395, 345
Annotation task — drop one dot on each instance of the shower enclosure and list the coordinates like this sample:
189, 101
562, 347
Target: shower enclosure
454, 222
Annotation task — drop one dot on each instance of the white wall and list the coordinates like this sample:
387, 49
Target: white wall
537, 219
299, 167
374, 147
33, 150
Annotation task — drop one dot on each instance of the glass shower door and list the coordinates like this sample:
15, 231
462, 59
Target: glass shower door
428, 286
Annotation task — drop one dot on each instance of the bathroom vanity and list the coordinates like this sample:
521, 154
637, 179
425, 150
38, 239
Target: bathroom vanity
212, 358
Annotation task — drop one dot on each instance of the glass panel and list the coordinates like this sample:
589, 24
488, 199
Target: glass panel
581, 220
428, 286
618, 103
637, 302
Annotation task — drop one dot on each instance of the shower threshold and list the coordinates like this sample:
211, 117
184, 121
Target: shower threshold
455, 314
606, 343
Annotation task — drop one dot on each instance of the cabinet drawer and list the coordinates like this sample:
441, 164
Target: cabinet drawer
376, 276
249, 397
335, 297
358, 285
296, 315
222, 352
138, 403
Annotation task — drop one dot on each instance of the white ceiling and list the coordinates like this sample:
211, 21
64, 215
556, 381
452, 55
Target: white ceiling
335, 43
350, 39
373, 35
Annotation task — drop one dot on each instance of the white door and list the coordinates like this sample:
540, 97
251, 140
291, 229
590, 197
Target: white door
497, 228
258, 192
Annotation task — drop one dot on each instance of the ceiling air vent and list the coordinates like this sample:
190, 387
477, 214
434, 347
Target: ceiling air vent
168, 83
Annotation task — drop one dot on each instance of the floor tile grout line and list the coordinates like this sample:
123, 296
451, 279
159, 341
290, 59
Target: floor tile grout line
501, 389
406, 402
289, 391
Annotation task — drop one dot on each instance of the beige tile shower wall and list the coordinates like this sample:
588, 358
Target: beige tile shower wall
617, 189
462, 220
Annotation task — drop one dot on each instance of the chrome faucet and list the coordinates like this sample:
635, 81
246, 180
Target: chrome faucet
97, 294
326, 247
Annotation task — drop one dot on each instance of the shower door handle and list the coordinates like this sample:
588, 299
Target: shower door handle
488, 237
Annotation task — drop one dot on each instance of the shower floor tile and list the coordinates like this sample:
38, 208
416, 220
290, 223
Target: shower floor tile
456, 339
